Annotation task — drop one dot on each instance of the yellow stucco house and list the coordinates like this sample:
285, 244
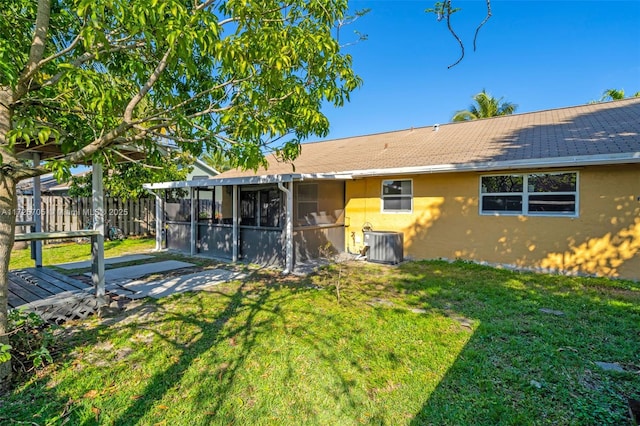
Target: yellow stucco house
555, 190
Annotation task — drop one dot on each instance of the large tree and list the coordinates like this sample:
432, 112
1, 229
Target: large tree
93, 77
485, 106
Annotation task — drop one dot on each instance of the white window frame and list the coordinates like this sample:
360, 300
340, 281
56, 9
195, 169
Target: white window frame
525, 193
383, 196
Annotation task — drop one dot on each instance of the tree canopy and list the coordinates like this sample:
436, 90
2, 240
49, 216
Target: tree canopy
244, 76
485, 106
95, 80
124, 180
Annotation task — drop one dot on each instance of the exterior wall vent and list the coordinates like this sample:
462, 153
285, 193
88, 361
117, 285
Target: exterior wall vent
384, 246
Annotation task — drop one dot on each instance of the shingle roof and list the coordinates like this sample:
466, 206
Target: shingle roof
602, 129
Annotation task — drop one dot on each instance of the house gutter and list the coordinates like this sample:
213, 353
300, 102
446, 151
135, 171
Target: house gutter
573, 161
288, 227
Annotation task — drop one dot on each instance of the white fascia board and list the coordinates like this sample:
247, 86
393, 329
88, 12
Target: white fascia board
247, 180
324, 176
575, 161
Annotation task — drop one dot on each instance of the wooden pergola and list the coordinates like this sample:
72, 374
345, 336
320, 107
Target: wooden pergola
37, 153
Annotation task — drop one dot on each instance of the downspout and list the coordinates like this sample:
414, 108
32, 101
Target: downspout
235, 234
288, 227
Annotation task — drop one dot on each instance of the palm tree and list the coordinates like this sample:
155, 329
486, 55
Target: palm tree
612, 95
486, 106
218, 159
615, 95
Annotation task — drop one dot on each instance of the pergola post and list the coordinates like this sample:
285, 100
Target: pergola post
234, 246
37, 211
97, 242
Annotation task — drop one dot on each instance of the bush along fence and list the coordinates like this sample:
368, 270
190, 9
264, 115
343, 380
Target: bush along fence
62, 213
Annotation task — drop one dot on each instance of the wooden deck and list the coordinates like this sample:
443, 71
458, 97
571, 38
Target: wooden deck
55, 296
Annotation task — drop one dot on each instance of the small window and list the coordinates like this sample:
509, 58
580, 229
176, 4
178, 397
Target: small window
397, 196
502, 194
551, 194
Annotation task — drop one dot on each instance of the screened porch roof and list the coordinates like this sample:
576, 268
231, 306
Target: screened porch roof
247, 180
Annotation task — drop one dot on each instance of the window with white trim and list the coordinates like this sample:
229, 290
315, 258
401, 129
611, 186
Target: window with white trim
397, 196
533, 194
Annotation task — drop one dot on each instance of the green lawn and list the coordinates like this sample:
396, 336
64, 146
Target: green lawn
422, 343
73, 252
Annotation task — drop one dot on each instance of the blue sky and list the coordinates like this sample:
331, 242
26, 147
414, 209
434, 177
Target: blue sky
538, 54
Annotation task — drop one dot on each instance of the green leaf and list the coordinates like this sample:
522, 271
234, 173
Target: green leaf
5, 352
43, 135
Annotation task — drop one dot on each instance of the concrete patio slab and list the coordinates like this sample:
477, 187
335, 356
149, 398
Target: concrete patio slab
180, 284
129, 273
108, 261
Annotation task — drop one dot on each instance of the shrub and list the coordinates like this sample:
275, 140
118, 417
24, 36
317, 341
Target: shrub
30, 339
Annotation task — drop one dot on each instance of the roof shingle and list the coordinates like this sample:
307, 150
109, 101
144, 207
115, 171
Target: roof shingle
590, 130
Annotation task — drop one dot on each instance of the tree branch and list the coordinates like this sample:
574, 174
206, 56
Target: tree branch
37, 47
448, 6
97, 144
55, 56
482, 23
162, 65
87, 56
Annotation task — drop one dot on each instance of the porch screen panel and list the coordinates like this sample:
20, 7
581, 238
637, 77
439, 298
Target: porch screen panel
248, 208
178, 205
223, 211
205, 204
270, 208
319, 203
178, 217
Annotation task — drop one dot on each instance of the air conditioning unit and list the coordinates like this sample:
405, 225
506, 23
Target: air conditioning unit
384, 246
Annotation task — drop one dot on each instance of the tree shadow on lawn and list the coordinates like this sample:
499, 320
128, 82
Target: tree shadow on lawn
225, 337
535, 340
218, 357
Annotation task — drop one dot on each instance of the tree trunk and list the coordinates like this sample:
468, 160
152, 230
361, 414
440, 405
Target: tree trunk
8, 204
7, 234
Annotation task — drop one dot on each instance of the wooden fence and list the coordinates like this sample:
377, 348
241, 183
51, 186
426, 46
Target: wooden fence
61, 213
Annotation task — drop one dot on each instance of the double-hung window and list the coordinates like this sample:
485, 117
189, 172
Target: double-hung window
541, 194
397, 196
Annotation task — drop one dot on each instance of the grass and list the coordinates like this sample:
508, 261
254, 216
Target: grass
422, 343
53, 254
